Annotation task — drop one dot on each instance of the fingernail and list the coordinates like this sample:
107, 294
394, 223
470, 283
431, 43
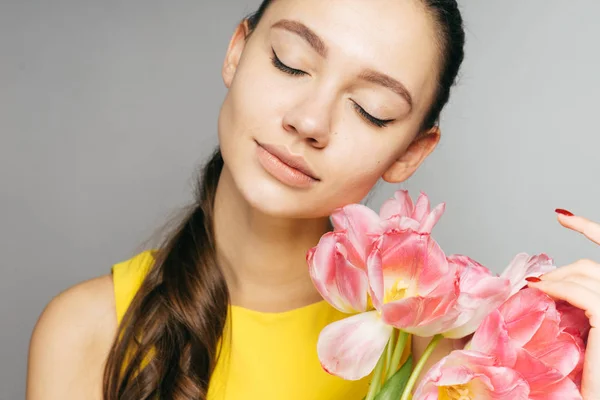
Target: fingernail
564, 212
533, 279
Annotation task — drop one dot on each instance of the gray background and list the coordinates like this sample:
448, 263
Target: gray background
108, 107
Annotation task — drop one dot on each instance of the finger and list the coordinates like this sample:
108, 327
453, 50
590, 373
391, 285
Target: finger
588, 268
591, 384
573, 293
582, 280
588, 228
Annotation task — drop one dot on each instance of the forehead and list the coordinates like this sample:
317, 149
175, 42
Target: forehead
396, 37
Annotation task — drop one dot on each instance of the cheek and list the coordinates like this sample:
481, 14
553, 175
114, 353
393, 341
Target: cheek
246, 114
355, 174
256, 95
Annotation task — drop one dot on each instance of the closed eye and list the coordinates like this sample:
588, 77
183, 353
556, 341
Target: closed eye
282, 67
381, 123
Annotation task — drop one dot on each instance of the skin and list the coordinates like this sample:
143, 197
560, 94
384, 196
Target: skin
314, 115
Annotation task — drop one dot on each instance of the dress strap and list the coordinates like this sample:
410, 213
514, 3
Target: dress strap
127, 279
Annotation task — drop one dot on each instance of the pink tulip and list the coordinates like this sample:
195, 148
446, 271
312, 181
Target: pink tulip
524, 266
339, 273
408, 287
337, 265
351, 347
522, 350
411, 283
385, 276
524, 334
470, 375
400, 213
480, 292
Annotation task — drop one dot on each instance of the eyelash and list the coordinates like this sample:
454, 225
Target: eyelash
380, 123
282, 67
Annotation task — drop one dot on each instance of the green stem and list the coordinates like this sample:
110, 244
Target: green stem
390, 349
420, 365
398, 351
376, 381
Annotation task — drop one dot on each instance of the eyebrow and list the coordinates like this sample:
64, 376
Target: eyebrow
319, 46
387, 81
304, 32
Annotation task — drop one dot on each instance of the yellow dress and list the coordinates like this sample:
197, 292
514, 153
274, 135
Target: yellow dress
271, 356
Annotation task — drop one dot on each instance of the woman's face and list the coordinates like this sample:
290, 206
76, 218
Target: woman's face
343, 84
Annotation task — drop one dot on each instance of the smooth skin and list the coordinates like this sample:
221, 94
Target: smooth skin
313, 113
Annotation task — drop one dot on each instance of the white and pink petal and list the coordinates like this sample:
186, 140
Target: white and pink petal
351, 347
401, 205
524, 266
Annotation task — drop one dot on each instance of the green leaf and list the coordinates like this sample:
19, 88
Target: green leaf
392, 389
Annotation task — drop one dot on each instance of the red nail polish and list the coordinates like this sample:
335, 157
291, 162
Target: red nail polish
564, 212
533, 279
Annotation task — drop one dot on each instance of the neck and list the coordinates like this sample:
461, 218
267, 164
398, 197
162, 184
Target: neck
263, 257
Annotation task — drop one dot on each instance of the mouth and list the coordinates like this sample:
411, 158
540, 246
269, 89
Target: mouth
293, 161
286, 167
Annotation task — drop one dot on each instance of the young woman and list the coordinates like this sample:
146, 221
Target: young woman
324, 99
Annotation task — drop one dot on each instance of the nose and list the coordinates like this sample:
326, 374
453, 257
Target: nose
311, 119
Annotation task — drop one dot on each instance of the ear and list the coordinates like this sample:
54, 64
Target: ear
234, 52
413, 157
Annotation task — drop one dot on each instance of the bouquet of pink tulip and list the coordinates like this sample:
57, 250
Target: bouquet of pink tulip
388, 271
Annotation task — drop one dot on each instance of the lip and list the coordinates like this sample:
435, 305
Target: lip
287, 168
292, 160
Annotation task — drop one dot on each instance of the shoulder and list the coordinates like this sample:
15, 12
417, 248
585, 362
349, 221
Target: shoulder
71, 341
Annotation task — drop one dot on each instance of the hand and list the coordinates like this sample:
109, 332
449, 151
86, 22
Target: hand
579, 284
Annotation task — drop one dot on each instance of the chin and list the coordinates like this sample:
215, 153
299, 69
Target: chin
268, 196
244, 174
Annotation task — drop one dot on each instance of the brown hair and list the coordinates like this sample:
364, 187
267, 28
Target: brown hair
167, 344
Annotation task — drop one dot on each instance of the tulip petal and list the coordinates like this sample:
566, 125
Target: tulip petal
340, 283
411, 282
375, 275
400, 205
351, 347
523, 266
562, 353
421, 316
405, 264
535, 372
492, 338
422, 207
480, 293
359, 222
434, 216
573, 319
564, 389
400, 223
472, 375
416, 260
524, 313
